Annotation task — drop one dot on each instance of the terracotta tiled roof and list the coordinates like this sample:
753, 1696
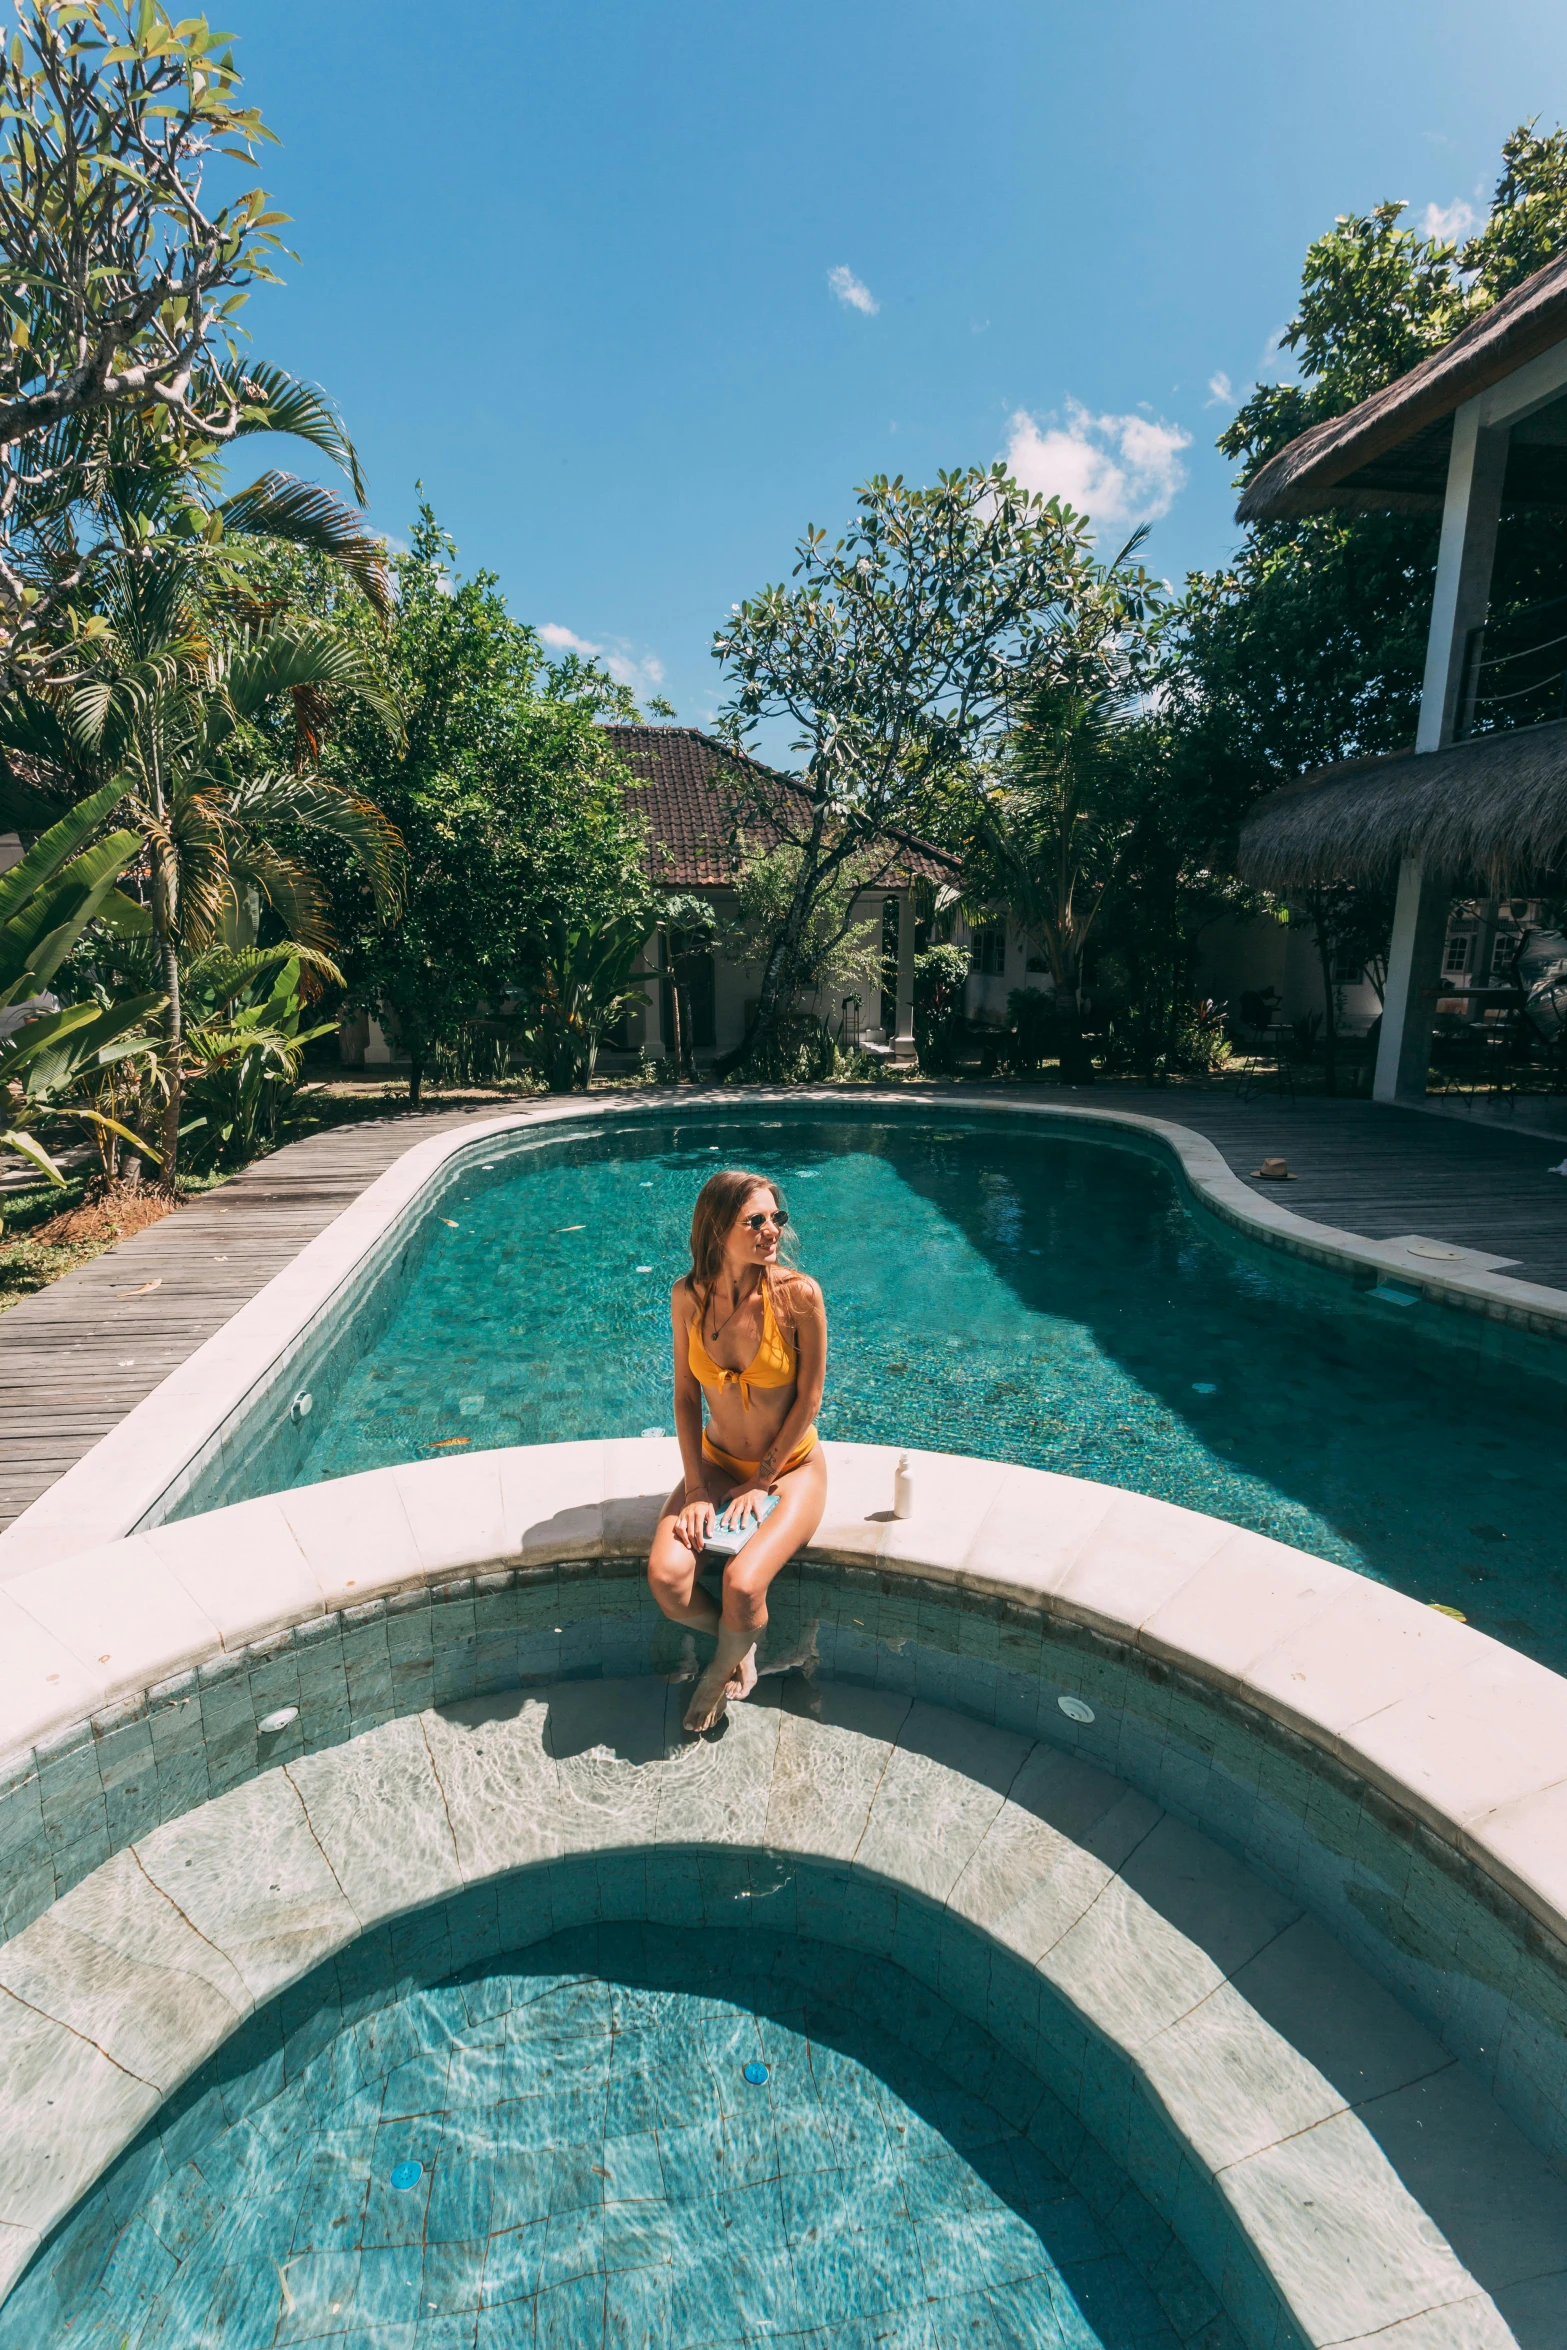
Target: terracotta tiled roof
691, 785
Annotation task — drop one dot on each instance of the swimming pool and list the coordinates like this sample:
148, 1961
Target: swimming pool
995, 1289
626, 2136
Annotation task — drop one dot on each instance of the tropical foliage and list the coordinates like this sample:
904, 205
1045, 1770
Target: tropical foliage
581, 987
1076, 772
120, 282
894, 656
518, 822
52, 1055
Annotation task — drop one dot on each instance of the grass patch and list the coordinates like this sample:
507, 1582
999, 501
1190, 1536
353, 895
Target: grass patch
50, 1229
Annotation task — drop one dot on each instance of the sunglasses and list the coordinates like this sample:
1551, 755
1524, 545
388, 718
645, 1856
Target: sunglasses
777, 1216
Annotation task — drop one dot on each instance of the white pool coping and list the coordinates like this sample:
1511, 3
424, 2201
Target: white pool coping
121, 1482
1463, 1734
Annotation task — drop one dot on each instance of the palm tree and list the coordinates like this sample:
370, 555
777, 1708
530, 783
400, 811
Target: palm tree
176, 664
1050, 830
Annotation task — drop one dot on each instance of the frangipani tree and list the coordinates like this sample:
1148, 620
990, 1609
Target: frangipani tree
895, 657
121, 279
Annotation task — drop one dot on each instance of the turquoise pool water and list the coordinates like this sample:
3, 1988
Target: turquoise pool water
992, 1289
562, 2149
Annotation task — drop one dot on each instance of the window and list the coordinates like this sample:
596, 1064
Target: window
1503, 956
988, 950
1460, 946
1348, 968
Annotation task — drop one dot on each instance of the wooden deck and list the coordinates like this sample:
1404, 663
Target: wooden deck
1383, 1172
75, 1357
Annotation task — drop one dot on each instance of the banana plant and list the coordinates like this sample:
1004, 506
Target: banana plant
46, 902
245, 1044
581, 987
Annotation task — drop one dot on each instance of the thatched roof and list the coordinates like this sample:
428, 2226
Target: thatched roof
1492, 810
1392, 449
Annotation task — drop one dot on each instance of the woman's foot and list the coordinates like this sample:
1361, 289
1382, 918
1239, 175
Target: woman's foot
728, 1679
708, 1701
742, 1680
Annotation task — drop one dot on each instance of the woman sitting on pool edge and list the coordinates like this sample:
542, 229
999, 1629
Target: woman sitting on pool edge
751, 1336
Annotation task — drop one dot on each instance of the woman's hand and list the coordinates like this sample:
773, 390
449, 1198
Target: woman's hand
748, 1503
694, 1522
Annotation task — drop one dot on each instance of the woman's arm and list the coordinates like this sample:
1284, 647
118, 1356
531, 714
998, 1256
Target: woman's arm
810, 1341
697, 1514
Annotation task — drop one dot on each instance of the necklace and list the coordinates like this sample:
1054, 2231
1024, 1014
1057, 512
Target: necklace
720, 1327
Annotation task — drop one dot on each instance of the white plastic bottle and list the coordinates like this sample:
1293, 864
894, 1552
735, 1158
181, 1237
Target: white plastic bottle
903, 1489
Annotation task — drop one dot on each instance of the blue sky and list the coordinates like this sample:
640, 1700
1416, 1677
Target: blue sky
639, 290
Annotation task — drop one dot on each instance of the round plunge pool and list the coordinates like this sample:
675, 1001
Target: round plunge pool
632, 2137
996, 1287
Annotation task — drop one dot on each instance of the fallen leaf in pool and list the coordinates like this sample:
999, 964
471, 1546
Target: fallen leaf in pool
1439, 1609
442, 1443
570, 1228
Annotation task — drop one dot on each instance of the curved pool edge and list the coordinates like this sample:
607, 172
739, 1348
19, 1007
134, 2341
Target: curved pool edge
356, 1832
132, 1471
1462, 1735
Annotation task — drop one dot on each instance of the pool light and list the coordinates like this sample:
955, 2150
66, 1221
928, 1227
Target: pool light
1075, 1710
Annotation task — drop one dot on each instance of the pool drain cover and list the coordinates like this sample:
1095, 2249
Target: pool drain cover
1075, 1710
406, 2174
753, 2072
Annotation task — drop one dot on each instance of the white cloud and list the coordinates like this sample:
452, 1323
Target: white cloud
1220, 390
851, 291
561, 640
1116, 469
643, 672
1451, 222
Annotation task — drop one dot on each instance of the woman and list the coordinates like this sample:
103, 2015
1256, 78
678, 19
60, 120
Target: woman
751, 1336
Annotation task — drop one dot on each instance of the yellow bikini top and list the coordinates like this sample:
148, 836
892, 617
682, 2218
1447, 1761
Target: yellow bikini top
772, 1365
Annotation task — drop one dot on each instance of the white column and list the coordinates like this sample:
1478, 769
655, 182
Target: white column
1414, 972
903, 1041
653, 1012
1463, 569
1463, 585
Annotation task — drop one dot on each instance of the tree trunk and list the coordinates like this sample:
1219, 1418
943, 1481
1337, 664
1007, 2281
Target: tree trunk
169, 965
778, 978
1077, 1066
1329, 1011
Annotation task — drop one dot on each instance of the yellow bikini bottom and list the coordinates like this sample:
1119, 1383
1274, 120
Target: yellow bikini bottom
745, 1469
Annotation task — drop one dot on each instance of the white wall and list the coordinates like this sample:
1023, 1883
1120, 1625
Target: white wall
1240, 952
985, 994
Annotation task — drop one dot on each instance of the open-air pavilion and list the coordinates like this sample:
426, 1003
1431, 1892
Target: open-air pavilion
1480, 803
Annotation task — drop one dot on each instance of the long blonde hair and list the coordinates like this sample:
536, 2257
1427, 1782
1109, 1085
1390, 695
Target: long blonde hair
718, 1203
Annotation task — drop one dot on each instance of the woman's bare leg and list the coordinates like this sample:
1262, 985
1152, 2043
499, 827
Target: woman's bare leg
802, 1498
672, 1570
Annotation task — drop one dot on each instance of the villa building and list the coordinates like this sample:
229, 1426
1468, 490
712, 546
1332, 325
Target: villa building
704, 807
1476, 812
